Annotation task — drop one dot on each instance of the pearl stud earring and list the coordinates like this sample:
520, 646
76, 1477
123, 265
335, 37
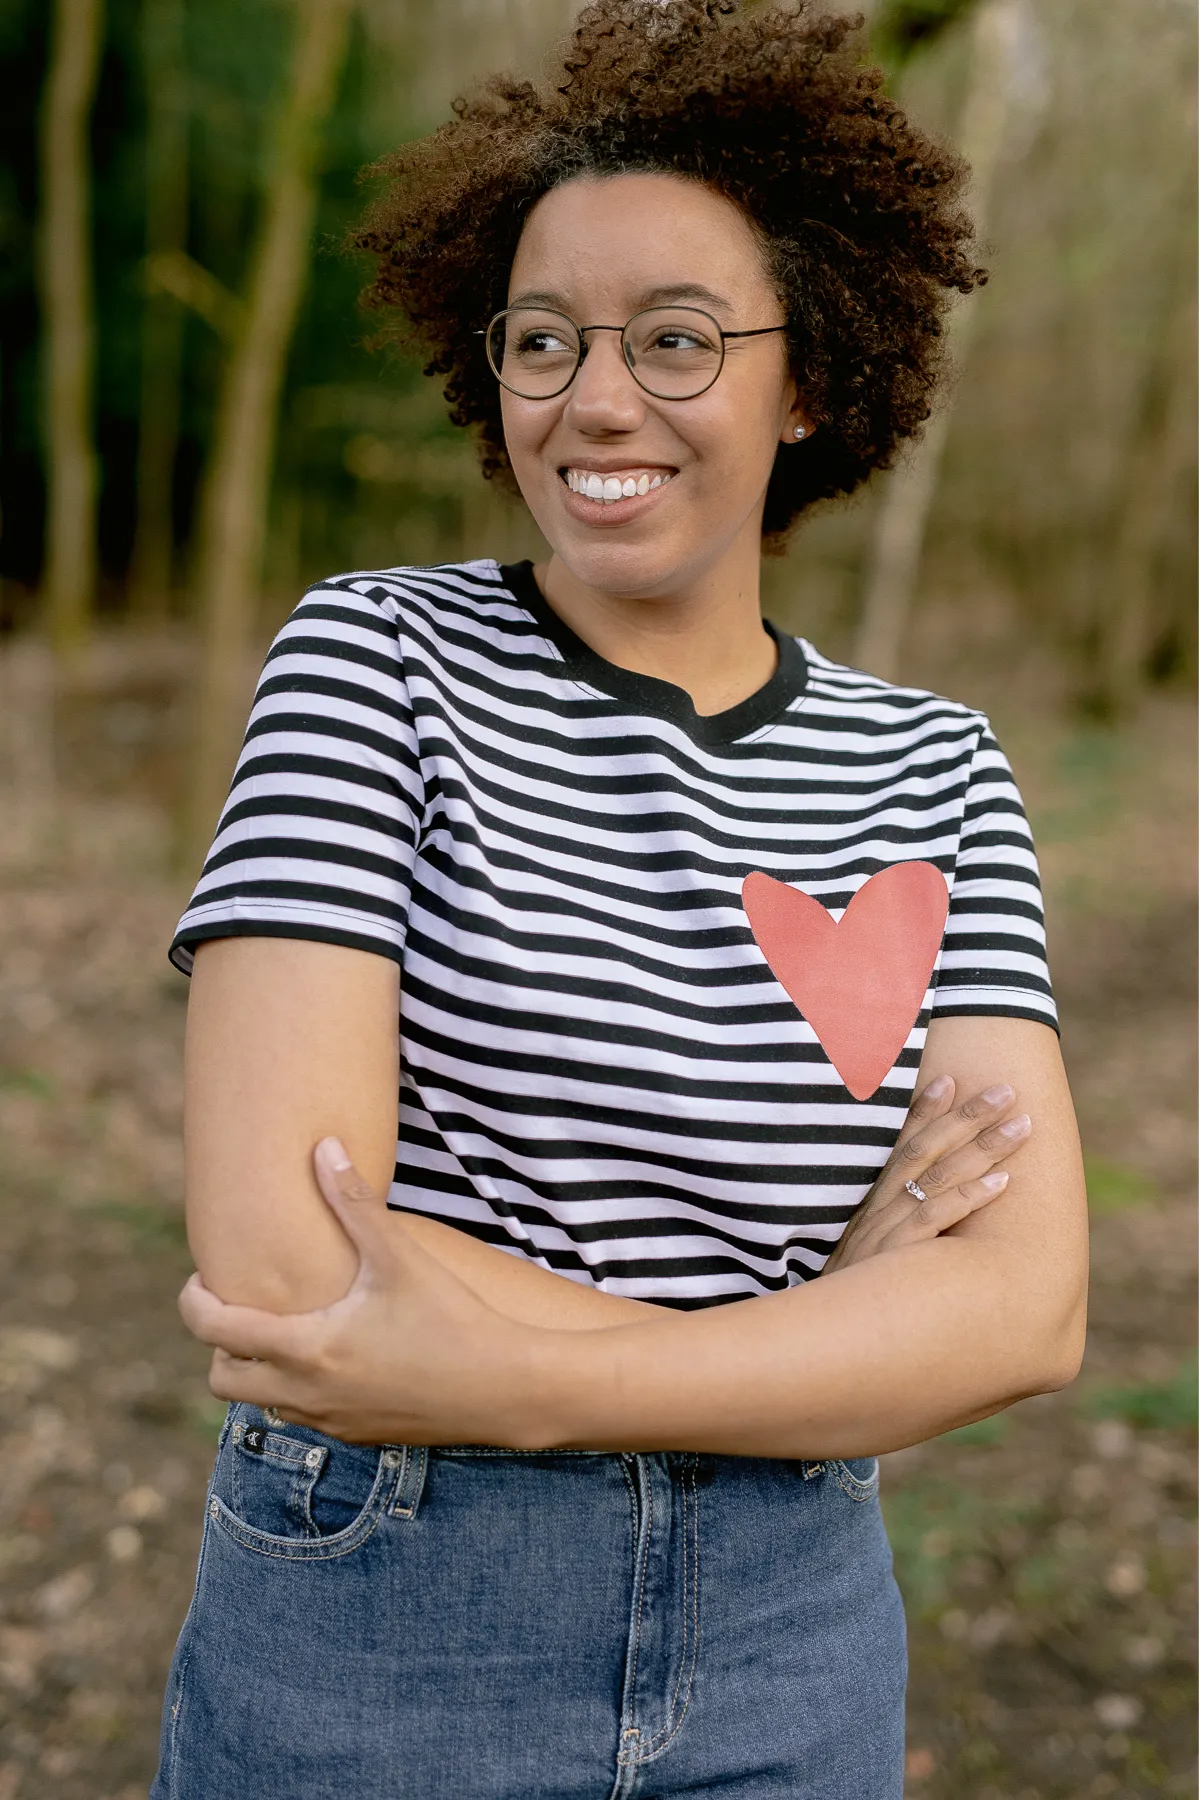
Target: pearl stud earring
798, 432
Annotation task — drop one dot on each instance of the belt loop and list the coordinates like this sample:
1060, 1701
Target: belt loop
813, 1469
411, 1463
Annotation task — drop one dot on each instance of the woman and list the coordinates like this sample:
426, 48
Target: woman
476, 1529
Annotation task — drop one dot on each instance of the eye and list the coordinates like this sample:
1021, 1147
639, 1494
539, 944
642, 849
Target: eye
542, 342
677, 338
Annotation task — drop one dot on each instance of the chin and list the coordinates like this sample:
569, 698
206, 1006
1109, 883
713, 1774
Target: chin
617, 564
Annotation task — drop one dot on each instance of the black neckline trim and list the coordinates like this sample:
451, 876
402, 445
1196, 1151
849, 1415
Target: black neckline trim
662, 699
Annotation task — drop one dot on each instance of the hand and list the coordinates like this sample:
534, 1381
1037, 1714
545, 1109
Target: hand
409, 1355
952, 1156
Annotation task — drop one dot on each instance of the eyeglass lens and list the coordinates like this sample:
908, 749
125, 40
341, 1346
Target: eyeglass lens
673, 352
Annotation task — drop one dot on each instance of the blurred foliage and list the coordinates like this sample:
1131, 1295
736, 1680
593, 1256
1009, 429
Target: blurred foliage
149, 1227
983, 1431
1068, 464
1114, 1187
1155, 1406
901, 27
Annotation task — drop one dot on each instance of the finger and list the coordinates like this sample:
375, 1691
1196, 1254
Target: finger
953, 1129
243, 1331
930, 1217
985, 1151
236, 1378
361, 1212
934, 1100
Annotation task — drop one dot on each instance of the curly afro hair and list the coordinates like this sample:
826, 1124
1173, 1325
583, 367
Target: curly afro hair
858, 212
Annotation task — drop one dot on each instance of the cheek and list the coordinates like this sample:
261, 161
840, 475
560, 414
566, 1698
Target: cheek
525, 431
735, 444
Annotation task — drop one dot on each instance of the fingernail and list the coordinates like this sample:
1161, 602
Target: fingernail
1015, 1128
992, 1184
939, 1088
335, 1151
996, 1096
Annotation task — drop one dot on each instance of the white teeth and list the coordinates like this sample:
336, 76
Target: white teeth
607, 488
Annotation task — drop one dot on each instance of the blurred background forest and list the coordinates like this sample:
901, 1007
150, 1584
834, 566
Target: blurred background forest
192, 427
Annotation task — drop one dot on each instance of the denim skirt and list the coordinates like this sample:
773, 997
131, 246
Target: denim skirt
392, 1623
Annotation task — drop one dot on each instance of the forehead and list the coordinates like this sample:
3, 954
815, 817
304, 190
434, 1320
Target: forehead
621, 240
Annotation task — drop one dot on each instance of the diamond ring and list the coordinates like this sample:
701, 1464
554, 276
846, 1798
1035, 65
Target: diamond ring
916, 1190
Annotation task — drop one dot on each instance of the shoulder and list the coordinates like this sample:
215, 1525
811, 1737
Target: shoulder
842, 690
396, 596
432, 618
860, 713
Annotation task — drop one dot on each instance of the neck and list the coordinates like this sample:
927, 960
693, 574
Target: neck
704, 634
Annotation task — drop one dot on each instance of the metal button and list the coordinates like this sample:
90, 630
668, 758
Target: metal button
213, 1508
392, 1459
313, 1459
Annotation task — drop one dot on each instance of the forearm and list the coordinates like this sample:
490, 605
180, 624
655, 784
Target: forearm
883, 1354
520, 1289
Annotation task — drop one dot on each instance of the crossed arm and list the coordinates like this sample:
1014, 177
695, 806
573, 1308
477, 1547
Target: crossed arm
390, 1328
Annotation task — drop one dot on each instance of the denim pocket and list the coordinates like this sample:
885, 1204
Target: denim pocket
859, 1477
291, 1491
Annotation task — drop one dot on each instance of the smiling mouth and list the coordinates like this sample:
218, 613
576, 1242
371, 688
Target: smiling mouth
607, 487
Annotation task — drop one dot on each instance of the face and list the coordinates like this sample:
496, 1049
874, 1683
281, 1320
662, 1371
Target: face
599, 249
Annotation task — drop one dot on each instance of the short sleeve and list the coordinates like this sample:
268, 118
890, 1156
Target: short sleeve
994, 952
318, 836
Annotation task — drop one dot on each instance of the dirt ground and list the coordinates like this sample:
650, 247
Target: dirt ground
1046, 1557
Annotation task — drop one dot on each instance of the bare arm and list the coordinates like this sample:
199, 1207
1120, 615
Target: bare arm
287, 1042
887, 1350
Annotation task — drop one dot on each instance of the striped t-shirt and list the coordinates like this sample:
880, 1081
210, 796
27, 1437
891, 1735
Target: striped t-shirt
601, 1067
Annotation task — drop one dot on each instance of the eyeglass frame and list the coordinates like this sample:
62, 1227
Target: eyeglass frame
584, 346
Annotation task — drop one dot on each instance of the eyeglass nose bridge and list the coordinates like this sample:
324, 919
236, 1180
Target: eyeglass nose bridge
584, 347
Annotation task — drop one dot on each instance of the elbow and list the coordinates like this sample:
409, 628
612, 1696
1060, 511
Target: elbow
271, 1283
1060, 1352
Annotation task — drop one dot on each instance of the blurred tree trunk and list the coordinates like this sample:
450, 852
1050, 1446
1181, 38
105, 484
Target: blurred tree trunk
162, 315
1153, 473
909, 495
65, 284
238, 483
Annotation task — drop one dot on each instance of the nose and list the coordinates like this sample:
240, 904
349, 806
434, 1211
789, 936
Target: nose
604, 396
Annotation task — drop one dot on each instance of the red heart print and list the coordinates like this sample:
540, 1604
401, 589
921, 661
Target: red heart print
859, 980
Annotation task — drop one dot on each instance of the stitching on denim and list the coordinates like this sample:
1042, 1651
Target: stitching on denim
171, 1758
304, 1549
691, 1635
464, 1451
627, 1760
849, 1483
627, 1757
410, 1481
293, 1549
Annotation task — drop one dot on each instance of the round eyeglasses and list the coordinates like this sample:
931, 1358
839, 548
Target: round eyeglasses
672, 352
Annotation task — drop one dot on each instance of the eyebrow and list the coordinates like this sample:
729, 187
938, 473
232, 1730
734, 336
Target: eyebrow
677, 293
